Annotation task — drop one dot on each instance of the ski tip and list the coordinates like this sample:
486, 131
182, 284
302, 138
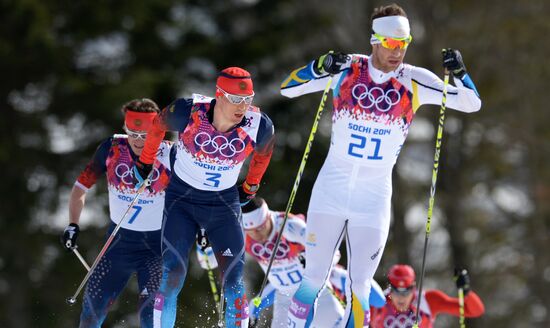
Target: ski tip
257, 301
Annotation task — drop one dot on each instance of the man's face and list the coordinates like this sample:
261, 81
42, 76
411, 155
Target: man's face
385, 59
233, 106
136, 139
402, 300
260, 233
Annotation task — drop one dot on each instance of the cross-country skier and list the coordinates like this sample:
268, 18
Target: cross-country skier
375, 99
400, 308
262, 227
215, 136
136, 247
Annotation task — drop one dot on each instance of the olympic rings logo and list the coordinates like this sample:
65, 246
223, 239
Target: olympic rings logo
221, 144
366, 98
264, 251
400, 321
126, 173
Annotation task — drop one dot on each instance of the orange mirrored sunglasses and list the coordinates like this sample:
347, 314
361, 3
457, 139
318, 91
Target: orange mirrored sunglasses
393, 43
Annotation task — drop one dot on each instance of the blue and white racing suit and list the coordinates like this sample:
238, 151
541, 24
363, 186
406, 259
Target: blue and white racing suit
136, 247
202, 194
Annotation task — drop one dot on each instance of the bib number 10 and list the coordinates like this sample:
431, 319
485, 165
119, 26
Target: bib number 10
291, 278
359, 143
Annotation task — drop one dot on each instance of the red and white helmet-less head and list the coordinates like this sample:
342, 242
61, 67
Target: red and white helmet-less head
255, 214
402, 277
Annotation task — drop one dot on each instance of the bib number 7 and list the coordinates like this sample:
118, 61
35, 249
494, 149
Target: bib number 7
136, 213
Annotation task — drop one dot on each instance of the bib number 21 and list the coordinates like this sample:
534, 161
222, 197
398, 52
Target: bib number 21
360, 142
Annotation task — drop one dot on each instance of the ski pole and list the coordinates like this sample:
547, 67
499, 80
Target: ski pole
202, 244
461, 307
258, 300
82, 260
219, 305
72, 300
220, 310
432, 190
212, 280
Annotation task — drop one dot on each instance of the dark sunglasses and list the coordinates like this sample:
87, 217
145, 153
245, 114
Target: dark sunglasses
402, 291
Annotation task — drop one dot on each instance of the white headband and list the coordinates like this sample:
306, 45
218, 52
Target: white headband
256, 218
390, 26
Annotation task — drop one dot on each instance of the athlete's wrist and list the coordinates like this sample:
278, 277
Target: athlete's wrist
247, 192
250, 188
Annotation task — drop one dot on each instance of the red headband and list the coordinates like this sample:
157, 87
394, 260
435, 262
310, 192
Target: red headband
139, 121
235, 80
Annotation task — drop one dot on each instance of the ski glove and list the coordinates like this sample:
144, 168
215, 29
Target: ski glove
452, 60
330, 63
68, 239
302, 259
202, 240
247, 193
462, 280
141, 172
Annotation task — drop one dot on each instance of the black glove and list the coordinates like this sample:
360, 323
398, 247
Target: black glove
302, 259
68, 239
247, 192
462, 280
452, 60
202, 240
141, 172
330, 63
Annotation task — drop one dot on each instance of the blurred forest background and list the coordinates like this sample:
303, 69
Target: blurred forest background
68, 66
